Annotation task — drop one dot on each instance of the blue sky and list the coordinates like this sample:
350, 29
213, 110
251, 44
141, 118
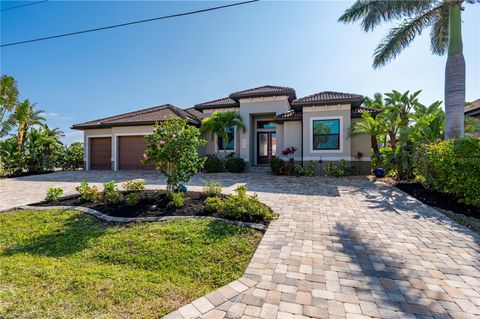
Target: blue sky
193, 59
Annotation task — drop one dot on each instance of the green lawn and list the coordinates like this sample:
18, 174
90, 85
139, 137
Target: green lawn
65, 264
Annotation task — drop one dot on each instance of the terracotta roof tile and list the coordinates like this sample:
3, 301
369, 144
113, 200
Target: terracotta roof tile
223, 102
474, 107
147, 116
327, 97
290, 115
265, 91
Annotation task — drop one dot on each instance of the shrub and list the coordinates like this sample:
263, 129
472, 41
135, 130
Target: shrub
309, 169
276, 165
111, 195
299, 170
134, 185
53, 194
177, 199
132, 199
235, 165
173, 148
213, 165
244, 207
88, 193
70, 157
342, 168
452, 167
213, 204
212, 189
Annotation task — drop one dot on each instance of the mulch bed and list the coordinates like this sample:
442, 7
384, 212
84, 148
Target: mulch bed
151, 204
437, 199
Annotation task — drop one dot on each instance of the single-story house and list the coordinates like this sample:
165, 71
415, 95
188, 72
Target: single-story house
473, 109
274, 118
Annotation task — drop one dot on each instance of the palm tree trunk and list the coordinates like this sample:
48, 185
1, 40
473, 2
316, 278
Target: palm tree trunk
455, 77
374, 142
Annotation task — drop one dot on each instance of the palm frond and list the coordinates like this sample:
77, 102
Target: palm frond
439, 32
373, 13
400, 37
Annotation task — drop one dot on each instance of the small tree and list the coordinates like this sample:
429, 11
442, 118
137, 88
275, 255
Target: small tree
219, 123
173, 148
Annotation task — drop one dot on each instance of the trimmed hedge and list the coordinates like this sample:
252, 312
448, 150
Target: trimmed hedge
452, 167
213, 165
235, 165
276, 165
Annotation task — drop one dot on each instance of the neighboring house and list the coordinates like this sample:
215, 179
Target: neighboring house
473, 109
273, 116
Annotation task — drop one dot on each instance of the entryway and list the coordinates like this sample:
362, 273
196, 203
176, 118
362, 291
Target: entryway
266, 147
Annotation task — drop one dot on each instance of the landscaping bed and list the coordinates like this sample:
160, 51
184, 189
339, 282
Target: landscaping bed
66, 264
151, 204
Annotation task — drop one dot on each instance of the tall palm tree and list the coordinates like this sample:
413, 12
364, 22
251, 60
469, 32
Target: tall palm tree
219, 123
8, 95
444, 18
23, 117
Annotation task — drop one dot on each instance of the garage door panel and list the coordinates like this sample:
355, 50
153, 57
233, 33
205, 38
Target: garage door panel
100, 153
130, 153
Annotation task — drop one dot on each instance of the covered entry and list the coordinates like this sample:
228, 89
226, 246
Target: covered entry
130, 153
100, 149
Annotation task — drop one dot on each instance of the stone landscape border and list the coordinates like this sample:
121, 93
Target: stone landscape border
124, 220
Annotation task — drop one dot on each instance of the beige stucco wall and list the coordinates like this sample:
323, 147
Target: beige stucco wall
292, 136
251, 109
341, 112
362, 144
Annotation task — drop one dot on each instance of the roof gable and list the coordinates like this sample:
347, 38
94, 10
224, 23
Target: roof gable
329, 97
473, 108
265, 91
218, 103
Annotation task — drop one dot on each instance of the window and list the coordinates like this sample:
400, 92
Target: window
326, 134
266, 124
230, 141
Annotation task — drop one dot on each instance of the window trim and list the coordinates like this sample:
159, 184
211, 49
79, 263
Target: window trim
340, 150
217, 149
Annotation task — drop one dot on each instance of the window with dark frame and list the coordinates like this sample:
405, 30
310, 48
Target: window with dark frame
326, 134
230, 141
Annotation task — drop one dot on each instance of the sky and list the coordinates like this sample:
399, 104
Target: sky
193, 59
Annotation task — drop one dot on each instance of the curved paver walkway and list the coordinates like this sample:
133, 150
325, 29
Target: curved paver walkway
340, 249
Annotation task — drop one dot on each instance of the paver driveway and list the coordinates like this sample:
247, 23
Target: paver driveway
340, 248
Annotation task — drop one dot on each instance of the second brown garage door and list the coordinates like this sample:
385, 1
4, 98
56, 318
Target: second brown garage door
130, 153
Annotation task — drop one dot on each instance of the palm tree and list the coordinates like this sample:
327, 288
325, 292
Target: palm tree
23, 117
219, 123
444, 18
8, 95
369, 125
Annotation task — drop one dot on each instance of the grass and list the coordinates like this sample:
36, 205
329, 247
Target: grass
65, 264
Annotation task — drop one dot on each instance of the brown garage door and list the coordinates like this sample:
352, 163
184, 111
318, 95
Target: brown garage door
100, 153
130, 153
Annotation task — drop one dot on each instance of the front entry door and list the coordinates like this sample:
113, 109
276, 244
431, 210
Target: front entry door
266, 146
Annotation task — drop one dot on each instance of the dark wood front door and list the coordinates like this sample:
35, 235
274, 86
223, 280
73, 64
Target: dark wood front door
266, 146
130, 153
101, 153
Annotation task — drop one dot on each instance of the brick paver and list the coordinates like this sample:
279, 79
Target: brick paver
340, 249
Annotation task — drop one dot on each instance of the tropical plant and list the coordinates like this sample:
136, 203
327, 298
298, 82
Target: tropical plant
444, 18
369, 125
88, 193
8, 95
173, 148
134, 185
23, 117
177, 199
12, 162
70, 157
41, 148
53, 194
219, 123
212, 189
110, 194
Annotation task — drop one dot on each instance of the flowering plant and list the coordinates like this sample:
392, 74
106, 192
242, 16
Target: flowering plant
288, 152
173, 148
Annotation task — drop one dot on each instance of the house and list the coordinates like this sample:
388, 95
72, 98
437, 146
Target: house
473, 109
273, 116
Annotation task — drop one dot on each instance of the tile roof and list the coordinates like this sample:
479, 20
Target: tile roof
265, 91
195, 113
358, 111
141, 117
327, 97
290, 115
223, 102
474, 107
